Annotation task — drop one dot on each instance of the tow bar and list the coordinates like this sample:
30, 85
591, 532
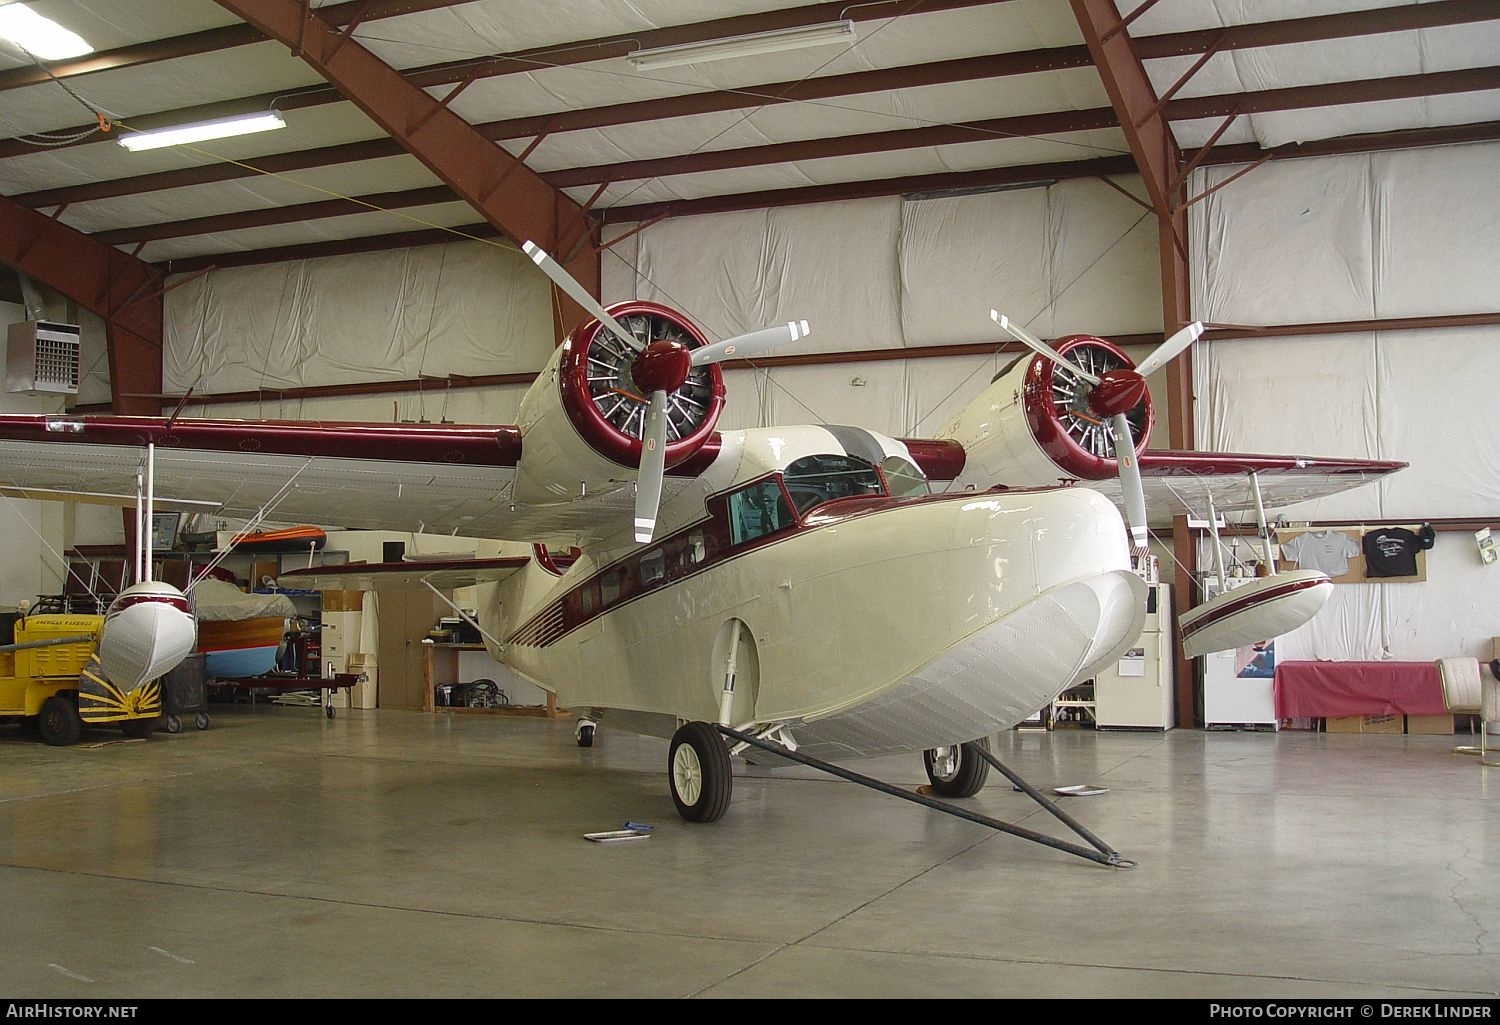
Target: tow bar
1102, 852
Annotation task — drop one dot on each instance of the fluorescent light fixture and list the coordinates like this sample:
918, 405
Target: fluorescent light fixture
744, 46
39, 36
221, 128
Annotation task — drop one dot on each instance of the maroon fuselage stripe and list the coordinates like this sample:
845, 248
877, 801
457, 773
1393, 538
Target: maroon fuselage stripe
1248, 601
419, 443
567, 612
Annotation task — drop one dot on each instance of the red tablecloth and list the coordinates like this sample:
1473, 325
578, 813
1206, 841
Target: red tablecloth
1321, 689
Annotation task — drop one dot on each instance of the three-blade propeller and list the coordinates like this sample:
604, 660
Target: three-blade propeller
1114, 395
660, 368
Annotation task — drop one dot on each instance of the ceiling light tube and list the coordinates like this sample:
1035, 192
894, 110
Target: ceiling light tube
744, 46
220, 128
41, 37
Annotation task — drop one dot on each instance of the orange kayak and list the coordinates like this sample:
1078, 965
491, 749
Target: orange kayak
291, 539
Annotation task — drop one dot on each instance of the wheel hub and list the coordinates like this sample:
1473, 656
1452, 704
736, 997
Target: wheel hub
945, 762
687, 774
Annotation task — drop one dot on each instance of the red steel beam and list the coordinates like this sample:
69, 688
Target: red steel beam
1379, 21
123, 291
1369, 90
206, 41
371, 203
508, 194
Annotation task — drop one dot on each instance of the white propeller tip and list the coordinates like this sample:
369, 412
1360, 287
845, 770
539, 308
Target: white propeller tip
999, 318
644, 529
533, 250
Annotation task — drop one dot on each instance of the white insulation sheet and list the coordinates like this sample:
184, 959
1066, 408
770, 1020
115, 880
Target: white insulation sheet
465, 308
1388, 235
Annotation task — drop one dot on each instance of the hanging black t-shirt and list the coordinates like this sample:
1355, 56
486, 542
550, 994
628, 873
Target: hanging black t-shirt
1392, 551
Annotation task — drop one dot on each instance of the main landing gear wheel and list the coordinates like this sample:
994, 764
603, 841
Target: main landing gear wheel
59, 722
586, 736
957, 771
698, 768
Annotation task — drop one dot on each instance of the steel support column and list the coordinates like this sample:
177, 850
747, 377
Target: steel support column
1159, 161
521, 205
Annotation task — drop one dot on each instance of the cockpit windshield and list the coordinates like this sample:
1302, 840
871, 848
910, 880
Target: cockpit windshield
813, 480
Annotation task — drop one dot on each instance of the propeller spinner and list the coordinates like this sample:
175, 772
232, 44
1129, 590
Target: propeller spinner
1113, 394
660, 367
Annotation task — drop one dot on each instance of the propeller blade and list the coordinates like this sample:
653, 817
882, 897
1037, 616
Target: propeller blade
753, 344
1131, 487
565, 281
653, 467
1171, 347
1026, 338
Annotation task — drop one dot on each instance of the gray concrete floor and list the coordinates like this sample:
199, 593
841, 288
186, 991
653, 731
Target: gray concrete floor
396, 854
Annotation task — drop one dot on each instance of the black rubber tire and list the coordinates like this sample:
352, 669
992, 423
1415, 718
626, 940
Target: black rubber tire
585, 736
201, 721
707, 763
58, 721
967, 779
329, 710
174, 724
138, 729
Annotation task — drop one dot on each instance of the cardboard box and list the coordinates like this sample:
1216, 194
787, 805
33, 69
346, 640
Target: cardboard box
1430, 725
1365, 724
1495, 647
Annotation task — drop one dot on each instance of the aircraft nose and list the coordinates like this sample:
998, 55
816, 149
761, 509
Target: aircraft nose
1063, 533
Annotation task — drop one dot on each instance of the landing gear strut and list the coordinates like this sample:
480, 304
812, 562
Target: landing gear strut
1102, 852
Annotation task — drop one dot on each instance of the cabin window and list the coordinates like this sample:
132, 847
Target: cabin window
653, 567
756, 511
903, 479
697, 549
609, 587
813, 480
586, 599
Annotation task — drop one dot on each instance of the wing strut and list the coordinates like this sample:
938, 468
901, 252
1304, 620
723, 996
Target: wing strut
1213, 530
1260, 518
461, 613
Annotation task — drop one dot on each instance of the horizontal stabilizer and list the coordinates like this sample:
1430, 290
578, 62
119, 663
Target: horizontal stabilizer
368, 576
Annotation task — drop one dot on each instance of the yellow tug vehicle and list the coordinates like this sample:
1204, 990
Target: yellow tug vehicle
50, 674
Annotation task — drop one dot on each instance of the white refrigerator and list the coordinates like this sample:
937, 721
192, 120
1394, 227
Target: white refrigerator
1135, 692
1239, 684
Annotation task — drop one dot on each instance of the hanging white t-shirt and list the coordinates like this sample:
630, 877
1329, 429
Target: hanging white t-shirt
1325, 550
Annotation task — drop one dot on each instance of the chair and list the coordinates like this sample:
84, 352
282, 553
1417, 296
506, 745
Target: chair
1466, 692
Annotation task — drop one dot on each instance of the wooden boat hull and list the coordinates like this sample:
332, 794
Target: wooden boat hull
240, 647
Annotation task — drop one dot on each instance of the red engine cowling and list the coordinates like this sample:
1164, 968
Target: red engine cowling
1038, 423
583, 418
1061, 408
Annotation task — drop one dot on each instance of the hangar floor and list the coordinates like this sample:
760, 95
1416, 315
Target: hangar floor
396, 854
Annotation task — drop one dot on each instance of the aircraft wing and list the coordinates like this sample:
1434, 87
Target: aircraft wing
1178, 483
362, 576
438, 478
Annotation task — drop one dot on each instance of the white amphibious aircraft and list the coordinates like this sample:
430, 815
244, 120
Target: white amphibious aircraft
826, 590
